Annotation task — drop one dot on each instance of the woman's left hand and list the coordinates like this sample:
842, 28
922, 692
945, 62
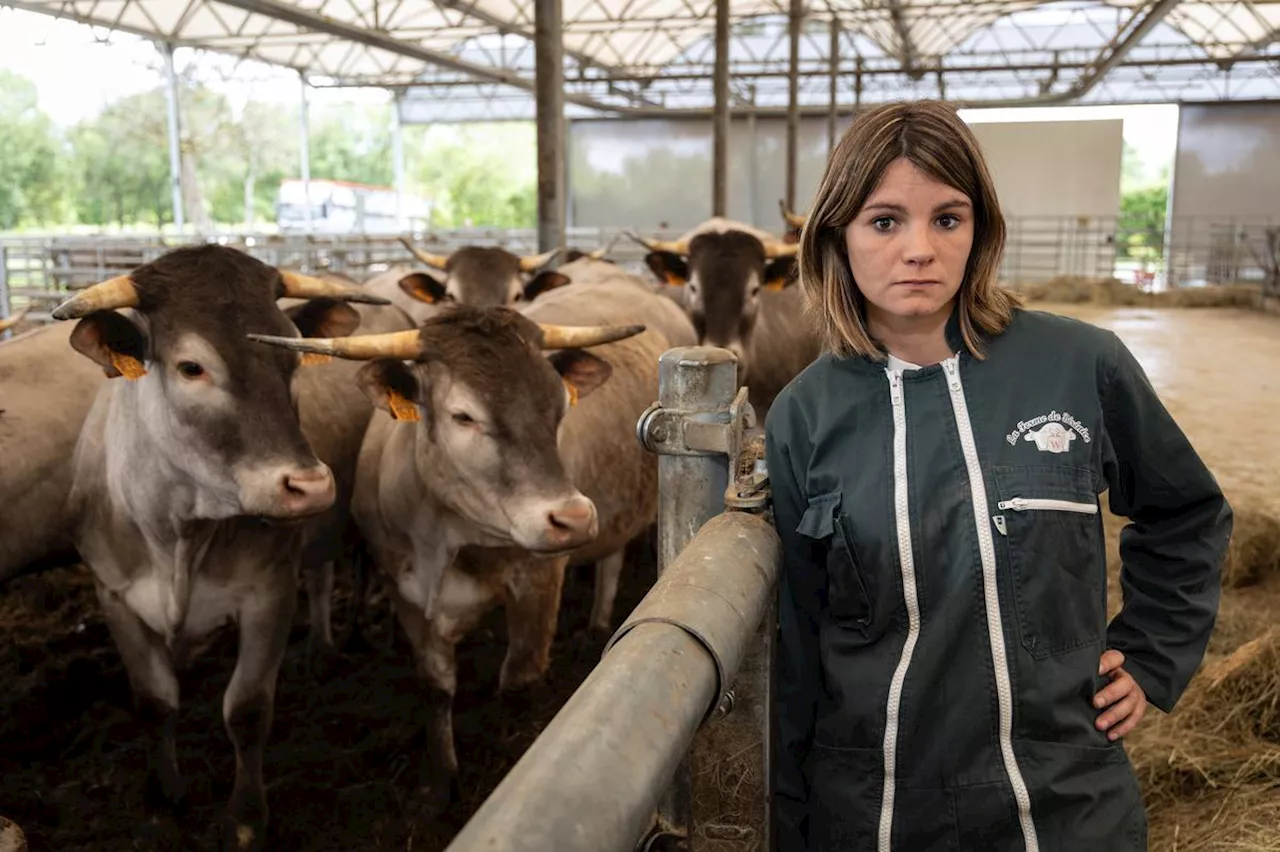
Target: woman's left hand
1126, 700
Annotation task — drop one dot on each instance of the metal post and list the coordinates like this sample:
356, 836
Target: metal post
548, 42
397, 155
793, 100
304, 147
175, 154
720, 121
835, 84
6, 309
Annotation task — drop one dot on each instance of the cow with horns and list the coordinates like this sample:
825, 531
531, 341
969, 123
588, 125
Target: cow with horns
481, 276
735, 284
794, 221
190, 478
9, 322
501, 447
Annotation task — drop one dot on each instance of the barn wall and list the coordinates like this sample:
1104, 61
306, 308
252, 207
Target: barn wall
651, 172
1226, 188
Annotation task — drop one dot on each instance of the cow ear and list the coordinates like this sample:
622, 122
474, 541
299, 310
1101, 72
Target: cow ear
391, 385
112, 341
668, 266
542, 282
324, 318
780, 273
582, 372
424, 288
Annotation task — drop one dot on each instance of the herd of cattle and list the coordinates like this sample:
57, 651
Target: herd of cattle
469, 428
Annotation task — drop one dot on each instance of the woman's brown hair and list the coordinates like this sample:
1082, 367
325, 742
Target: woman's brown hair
931, 135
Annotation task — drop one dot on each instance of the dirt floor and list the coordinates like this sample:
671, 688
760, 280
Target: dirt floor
340, 760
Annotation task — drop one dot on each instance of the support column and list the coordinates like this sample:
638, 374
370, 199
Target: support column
175, 155
548, 42
397, 155
304, 148
834, 106
793, 100
720, 121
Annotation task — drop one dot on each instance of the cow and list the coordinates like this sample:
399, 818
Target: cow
482, 276
46, 390
488, 466
191, 479
334, 415
734, 281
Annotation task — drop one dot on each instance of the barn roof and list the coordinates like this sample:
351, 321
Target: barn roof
475, 58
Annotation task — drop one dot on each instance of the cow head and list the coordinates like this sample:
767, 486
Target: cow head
721, 275
481, 277
216, 410
487, 405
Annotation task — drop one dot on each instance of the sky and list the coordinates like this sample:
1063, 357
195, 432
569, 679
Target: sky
55, 54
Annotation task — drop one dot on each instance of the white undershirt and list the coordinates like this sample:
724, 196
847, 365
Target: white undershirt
898, 365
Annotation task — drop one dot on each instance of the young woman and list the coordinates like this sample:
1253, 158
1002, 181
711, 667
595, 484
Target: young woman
947, 679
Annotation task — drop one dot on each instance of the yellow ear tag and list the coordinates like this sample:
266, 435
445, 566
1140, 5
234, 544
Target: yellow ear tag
674, 280
309, 358
776, 284
401, 408
573, 393
128, 366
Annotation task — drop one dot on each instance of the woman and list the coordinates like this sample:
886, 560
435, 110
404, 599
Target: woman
947, 679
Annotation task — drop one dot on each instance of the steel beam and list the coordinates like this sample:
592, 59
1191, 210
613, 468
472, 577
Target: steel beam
397, 157
906, 45
834, 107
720, 119
174, 132
549, 61
794, 22
304, 149
322, 24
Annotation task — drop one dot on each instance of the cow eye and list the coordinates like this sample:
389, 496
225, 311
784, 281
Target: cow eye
462, 418
190, 369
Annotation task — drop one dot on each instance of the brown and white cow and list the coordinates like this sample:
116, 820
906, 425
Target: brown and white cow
190, 476
46, 390
481, 276
490, 463
735, 282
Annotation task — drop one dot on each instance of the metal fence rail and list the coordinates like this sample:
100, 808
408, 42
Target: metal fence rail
38, 272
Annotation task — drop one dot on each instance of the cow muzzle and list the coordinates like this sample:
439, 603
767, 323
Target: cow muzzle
289, 492
560, 526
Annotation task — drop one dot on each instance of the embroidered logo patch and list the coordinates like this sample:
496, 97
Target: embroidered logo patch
1051, 433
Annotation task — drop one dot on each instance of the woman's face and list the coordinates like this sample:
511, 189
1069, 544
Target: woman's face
909, 244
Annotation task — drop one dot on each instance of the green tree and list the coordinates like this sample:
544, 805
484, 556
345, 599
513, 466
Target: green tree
121, 157
33, 174
1142, 219
479, 176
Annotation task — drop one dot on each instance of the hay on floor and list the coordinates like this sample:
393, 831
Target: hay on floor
1076, 290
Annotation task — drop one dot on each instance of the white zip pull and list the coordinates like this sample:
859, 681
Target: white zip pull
895, 387
1023, 504
952, 365
1000, 524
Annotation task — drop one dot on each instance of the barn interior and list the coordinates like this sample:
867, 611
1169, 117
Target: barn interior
649, 118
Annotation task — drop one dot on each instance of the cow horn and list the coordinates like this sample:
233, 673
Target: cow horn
117, 292
534, 262
11, 321
404, 345
580, 337
774, 249
600, 253
298, 286
680, 247
435, 261
795, 220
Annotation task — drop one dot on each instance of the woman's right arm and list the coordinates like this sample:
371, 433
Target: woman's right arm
801, 597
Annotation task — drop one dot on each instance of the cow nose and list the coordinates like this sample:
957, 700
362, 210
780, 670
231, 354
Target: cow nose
571, 523
307, 491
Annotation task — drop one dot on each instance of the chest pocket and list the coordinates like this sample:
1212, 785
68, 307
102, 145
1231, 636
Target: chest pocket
847, 600
1047, 518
